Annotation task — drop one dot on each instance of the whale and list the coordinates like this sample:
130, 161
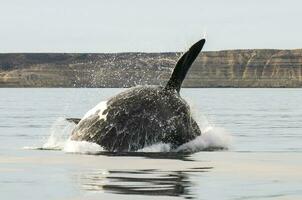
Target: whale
142, 116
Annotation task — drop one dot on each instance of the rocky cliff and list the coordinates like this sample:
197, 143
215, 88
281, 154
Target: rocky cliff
233, 68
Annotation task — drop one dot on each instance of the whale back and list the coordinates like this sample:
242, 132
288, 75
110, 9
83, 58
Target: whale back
183, 65
143, 116
137, 118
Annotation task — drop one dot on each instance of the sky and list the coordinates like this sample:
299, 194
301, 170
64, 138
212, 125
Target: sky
148, 25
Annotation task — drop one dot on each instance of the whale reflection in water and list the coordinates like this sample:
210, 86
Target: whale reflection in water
149, 182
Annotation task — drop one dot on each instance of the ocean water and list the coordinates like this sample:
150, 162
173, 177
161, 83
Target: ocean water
261, 128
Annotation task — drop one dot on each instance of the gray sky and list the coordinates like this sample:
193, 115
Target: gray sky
147, 25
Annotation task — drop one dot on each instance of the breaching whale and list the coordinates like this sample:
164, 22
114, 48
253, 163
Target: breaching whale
143, 115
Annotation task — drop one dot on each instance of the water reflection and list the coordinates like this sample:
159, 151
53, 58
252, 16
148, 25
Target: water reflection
149, 182
184, 156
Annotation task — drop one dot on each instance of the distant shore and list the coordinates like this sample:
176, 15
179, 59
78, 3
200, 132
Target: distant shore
220, 69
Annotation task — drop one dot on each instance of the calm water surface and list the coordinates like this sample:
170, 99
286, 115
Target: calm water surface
263, 162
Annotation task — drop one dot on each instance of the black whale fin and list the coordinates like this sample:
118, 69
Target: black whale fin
183, 65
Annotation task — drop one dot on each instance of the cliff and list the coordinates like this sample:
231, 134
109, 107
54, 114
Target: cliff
232, 68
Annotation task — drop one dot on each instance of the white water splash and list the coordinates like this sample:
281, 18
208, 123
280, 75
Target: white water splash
211, 139
59, 133
59, 139
72, 146
84, 147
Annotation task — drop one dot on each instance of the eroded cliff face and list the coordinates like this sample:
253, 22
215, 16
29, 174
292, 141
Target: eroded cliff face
236, 68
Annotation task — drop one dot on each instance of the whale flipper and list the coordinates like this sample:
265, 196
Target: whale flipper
183, 65
73, 120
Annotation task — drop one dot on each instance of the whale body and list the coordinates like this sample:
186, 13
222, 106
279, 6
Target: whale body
144, 115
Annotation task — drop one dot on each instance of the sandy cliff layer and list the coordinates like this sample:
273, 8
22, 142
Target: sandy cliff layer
236, 68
